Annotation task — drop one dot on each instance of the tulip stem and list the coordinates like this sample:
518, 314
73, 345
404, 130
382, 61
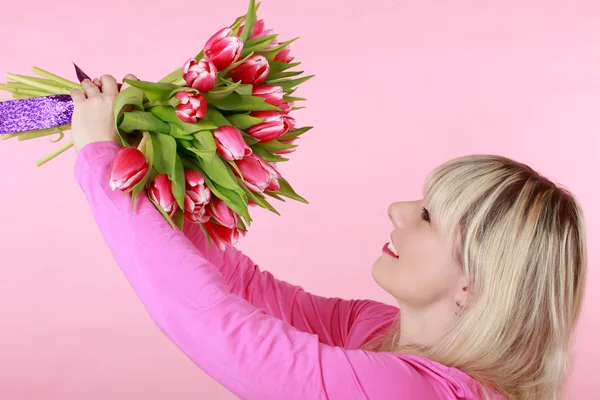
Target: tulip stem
46, 87
57, 79
145, 137
43, 132
55, 153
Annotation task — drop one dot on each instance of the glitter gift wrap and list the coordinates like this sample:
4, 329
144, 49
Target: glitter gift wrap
35, 113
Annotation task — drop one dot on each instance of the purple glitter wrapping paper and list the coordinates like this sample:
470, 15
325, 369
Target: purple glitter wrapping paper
35, 113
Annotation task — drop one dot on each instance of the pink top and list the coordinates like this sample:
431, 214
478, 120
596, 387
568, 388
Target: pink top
259, 337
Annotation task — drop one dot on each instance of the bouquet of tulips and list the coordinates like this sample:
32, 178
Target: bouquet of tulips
202, 143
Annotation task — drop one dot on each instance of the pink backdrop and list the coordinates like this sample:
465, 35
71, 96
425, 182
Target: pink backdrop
401, 86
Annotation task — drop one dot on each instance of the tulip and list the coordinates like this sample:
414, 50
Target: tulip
274, 175
275, 125
191, 107
197, 196
200, 75
127, 168
257, 174
252, 71
273, 94
230, 143
223, 49
258, 30
284, 55
162, 193
223, 214
222, 235
254, 175
286, 107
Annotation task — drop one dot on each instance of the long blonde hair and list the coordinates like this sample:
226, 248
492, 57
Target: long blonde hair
521, 241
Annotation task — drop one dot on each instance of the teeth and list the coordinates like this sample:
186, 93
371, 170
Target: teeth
392, 249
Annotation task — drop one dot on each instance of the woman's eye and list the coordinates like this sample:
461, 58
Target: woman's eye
425, 215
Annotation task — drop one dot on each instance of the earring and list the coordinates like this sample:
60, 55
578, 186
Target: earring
458, 304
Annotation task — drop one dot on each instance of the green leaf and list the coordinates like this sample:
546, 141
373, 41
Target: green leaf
204, 145
128, 99
178, 133
268, 156
243, 121
271, 53
232, 198
244, 89
250, 21
223, 91
290, 83
285, 189
178, 182
274, 146
172, 76
294, 133
147, 150
281, 75
258, 44
288, 99
258, 198
218, 172
280, 66
249, 139
276, 196
167, 114
216, 117
237, 102
179, 219
141, 121
154, 91
165, 154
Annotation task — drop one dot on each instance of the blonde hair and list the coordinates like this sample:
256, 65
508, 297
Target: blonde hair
520, 239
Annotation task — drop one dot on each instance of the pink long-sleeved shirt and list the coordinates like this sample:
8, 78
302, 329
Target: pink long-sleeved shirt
259, 337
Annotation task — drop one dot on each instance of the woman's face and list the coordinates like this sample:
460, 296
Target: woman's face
423, 273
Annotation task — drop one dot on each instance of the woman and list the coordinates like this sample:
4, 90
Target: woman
488, 270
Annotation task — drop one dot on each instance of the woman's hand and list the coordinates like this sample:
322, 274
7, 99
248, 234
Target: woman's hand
93, 119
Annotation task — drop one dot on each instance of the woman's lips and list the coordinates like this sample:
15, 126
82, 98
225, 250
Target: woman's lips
387, 250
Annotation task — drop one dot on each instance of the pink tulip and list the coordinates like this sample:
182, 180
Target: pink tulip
273, 94
284, 55
275, 125
221, 235
258, 30
127, 168
222, 213
162, 193
286, 107
197, 196
230, 143
257, 174
200, 75
252, 71
223, 49
191, 107
274, 175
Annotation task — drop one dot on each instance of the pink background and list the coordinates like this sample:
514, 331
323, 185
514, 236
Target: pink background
401, 86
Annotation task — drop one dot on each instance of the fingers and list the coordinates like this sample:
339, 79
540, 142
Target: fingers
98, 83
78, 96
128, 76
89, 88
109, 85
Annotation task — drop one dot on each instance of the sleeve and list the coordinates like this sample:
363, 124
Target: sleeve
251, 353
331, 318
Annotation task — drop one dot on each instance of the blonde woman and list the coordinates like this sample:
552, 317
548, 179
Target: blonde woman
488, 270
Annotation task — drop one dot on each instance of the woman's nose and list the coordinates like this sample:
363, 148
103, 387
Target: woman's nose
402, 213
